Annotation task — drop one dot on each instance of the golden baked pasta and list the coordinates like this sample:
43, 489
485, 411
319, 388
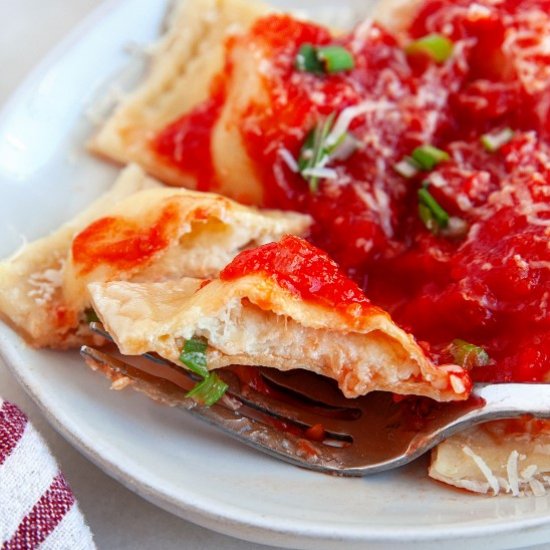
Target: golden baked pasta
140, 230
284, 305
31, 281
506, 456
183, 70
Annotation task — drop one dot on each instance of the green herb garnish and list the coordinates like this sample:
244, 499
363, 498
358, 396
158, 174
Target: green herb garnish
335, 59
209, 391
193, 356
428, 156
436, 46
211, 388
91, 316
315, 152
468, 355
308, 61
324, 59
430, 212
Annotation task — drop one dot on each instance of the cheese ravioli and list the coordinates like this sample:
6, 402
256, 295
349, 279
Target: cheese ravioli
140, 230
284, 305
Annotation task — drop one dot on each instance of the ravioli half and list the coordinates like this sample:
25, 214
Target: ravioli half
210, 70
140, 230
284, 305
31, 280
505, 456
181, 76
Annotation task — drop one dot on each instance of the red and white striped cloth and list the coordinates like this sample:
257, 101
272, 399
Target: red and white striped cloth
37, 507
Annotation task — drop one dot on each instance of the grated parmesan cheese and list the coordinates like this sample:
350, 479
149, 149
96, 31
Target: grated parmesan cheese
457, 384
349, 114
529, 472
512, 471
383, 200
484, 468
98, 111
44, 284
533, 28
320, 172
366, 197
288, 159
537, 487
478, 11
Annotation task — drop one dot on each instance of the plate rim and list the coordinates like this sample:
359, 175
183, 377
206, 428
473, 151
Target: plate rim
231, 524
56, 52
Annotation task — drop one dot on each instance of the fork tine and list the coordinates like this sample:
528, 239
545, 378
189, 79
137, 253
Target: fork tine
378, 438
388, 434
121, 372
242, 423
281, 410
98, 328
291, 409
257, 409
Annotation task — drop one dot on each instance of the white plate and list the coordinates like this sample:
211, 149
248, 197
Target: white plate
172, 460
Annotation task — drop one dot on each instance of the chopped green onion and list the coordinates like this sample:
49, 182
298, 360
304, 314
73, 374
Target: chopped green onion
469, 355
211, 388
193, 356
307, 152
436, 46
493, 141
209, 391
325, 143
91, 316
428, 156
307, 60
430, 212
335, 59
427, 218
407, 167
326, 59
314, 152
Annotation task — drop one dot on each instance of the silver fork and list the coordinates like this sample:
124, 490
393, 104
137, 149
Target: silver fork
358, 437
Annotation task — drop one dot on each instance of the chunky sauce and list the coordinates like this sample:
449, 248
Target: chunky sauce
489, 285
302, 269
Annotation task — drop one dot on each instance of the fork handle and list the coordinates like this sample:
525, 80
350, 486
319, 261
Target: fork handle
512, 400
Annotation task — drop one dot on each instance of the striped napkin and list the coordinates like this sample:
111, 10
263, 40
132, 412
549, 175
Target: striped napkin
37, 507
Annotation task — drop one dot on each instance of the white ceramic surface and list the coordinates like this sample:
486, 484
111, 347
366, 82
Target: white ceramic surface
170, 459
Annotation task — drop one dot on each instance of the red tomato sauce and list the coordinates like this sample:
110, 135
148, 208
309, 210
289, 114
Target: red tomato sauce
489, 285
186, 143
121, 242
302, 269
